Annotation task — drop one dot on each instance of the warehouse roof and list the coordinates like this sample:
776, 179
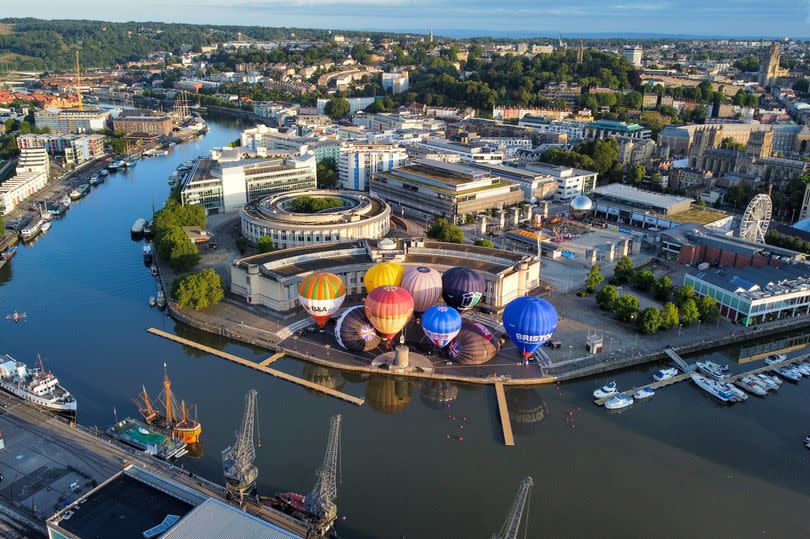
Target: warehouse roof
214, 518
634, 195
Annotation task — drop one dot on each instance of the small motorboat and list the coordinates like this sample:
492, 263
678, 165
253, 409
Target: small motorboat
46, 226
153, 270
751, 384
713, 387
644, 393
773, 358
618, 402
160, 300
16, 317
664, 374
715, 370
802, 367
607, 390
771, 383
152, 301
788, 374
739, 394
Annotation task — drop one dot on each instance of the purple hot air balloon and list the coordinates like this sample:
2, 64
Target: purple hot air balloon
424, 284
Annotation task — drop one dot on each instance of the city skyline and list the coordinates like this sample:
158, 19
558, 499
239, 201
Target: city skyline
456, 18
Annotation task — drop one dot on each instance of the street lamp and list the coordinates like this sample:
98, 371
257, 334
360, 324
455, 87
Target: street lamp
570, 349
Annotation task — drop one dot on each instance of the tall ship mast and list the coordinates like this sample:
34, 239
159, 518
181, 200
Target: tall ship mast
173, 417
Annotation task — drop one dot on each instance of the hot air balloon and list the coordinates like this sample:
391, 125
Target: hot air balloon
389, 308
354, 332
462, 288
321, 295
383, 274
530, 322
474, 344
441, 324
424, 284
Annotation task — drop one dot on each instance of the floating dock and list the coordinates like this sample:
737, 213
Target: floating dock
260, 367
272, 359
508, 439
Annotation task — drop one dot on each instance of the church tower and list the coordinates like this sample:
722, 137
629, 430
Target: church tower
769, 69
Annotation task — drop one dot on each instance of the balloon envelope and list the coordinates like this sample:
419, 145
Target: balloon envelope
383, 274
424, 284
474, 344
355, 332
462, 288
529, 321
441, 324
321, 295
389, 308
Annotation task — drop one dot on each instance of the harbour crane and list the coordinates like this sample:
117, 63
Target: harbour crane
511, 526
237, 460
320, 503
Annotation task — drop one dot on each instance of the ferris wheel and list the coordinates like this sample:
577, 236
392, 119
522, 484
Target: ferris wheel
756, 219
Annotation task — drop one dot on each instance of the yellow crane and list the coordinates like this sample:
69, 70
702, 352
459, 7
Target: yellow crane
78, 82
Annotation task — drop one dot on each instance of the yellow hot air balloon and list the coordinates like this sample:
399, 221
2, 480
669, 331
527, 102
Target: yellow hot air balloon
383, 274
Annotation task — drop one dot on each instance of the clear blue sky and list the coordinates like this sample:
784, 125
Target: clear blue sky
522, 17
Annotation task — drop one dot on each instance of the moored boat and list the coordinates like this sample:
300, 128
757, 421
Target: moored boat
713, 369
137, 226
664, 374
788, 374
618, 402
148, 254
36, 386
644, 393
752, 385
32, 229
160, 299
714, 388
150, 441
46, 226
608, 390
174, 418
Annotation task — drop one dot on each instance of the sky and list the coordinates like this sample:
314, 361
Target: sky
521, 18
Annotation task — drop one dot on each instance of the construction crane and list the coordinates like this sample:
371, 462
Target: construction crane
511, 526
320, 503
78, 83
237, 460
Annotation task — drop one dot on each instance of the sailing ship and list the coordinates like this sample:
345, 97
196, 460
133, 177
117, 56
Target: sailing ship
171, 416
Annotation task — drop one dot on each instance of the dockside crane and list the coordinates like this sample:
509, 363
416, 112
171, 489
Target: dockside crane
237, 460
511, 526
320, 503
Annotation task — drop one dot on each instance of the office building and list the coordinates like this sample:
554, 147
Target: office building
355, 104
225, 183
143, 122
72, 120
30, 176
467, 152
429, 189
74, 149
536, 186
357, 162
602, 129
571, 182
396, 83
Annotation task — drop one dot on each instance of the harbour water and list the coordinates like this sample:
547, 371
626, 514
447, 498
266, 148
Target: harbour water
677, 465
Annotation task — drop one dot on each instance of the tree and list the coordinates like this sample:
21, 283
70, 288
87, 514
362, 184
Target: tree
663, 288
327, 173
484, 243
688, 312
624, 269
198, 290
627, 307
801, 86
636, 174
184, 255
649, 320
337, 108
606, 297
2, 227
708, 308
669, 316
593, 278
442, 230
310, 204
265, 244
684, 293
643, 280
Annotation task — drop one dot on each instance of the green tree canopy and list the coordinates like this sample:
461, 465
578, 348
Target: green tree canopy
484, 243
708, 308
327, 173
627, 307
643, 279
442, 230
649, 320
684, 293
265, 244
636, 174
669, 316
310, 204
337, 108
688, 312
623, 270
663, 288
198, 290
606, 297
593, 278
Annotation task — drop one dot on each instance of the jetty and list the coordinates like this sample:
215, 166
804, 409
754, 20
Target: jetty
260, 367
503, 410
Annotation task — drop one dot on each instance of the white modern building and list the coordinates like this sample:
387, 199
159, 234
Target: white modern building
358, 161
262, 139
571, 182
74, 149
536, 186
355, 104
227, 183
30, 176
573, 129
396, 83
468, 153
72, 120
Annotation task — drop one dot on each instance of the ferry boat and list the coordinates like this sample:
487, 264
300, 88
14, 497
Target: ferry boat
138, 435
664, 374
713, 369
714, 388
35, 386
174, 420
31, 230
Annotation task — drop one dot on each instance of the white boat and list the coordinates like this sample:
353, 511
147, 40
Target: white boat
608, 390
152, 301
644, 393
802, 367
713, 369
36, 386
739, 394
103, 173
153, 270
31, 231
788, 373
147, 253
751, 384
664, 374
137, 226
46, 226
160, 300
771, 383
773, 358
66, 201
45, 213
618, 402
713, 387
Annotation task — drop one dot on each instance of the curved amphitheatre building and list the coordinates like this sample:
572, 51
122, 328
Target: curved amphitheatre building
360, 216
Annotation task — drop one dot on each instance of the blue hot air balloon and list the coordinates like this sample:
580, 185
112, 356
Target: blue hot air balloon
529, 322
441, 324
462, 288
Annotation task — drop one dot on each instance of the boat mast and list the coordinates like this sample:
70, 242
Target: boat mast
167, 389
149, 410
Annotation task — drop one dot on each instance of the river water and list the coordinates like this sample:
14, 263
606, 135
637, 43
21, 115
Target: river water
678, 465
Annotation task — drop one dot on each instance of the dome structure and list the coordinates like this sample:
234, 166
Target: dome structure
581, 206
